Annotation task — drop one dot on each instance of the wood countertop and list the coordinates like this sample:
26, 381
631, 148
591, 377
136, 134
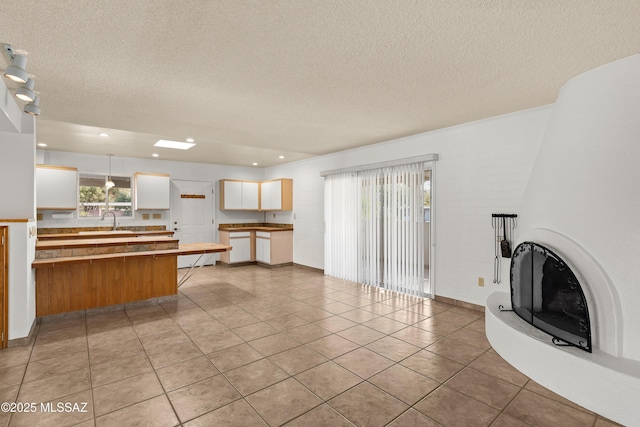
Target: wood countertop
184, 249
201, 248
121, 240
269, 229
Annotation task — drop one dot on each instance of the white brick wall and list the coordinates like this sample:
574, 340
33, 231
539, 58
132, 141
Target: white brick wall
483, 168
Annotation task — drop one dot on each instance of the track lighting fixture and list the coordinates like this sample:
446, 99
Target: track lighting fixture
33, 107
16, 71
25, 92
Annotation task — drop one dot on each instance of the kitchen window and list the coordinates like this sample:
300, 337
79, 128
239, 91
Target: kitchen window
96, 199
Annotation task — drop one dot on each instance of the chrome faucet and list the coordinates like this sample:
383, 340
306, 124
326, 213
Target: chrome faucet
114, 218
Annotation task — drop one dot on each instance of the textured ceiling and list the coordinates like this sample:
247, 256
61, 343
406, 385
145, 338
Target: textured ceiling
252, 80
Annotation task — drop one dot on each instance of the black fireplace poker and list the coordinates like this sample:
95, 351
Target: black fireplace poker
502, 245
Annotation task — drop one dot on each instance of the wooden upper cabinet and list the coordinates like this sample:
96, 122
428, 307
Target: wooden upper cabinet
56, 187
239, 195
276, 195
152, 191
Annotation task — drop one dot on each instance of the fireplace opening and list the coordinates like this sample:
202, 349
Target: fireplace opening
546, 294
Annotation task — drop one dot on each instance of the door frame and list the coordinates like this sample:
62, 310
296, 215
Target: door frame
431, 167
4, 286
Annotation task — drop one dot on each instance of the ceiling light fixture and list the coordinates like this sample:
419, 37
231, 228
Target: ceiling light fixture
109, 184
16, 71
25, 92
41, 144
103, 134
33, 107
255, 164
189, 139
281, 157
173, 144
155, 155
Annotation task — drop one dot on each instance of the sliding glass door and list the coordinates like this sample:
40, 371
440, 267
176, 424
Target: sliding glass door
377, 220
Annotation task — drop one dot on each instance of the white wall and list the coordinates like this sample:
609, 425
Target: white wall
17, 202
10, 113
483, 168
17, 172
127, 166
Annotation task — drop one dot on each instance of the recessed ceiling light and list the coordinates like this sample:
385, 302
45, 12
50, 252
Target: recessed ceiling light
255, 164
104, 134
173, 144
281, 157
155, 155
189, 139
41, 144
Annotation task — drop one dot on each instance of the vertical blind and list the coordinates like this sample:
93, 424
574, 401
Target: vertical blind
341, 209
375, 227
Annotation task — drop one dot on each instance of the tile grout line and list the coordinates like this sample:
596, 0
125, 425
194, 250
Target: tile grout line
333, 333
131, 376
33, 344
229, 281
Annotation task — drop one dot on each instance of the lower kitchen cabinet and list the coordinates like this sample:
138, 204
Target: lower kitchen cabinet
264, 247
274, 248
243, 246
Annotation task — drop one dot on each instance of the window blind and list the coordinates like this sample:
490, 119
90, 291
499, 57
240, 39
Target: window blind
375, 227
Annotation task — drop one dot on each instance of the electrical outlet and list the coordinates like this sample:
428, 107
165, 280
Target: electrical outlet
294, 216
274, 215
481, 282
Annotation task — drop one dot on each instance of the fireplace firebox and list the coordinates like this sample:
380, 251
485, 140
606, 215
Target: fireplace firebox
547, 294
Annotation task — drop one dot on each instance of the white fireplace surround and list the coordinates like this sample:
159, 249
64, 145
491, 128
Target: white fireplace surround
607, 385
601, 381
582, 202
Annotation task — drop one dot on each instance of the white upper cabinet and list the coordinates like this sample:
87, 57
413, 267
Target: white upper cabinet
276, 195
56, 187
152, 191
271, 195
239, 195
250, 195
231, 193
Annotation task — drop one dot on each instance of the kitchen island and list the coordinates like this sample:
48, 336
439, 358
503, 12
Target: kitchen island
79, 274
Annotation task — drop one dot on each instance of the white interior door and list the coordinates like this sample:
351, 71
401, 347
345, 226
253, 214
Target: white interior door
192, 215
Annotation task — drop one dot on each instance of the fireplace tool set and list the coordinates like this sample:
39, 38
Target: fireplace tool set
502, 245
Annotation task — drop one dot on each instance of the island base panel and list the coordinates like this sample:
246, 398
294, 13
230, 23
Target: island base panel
81, 286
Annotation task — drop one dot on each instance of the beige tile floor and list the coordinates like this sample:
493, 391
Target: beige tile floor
251, 346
